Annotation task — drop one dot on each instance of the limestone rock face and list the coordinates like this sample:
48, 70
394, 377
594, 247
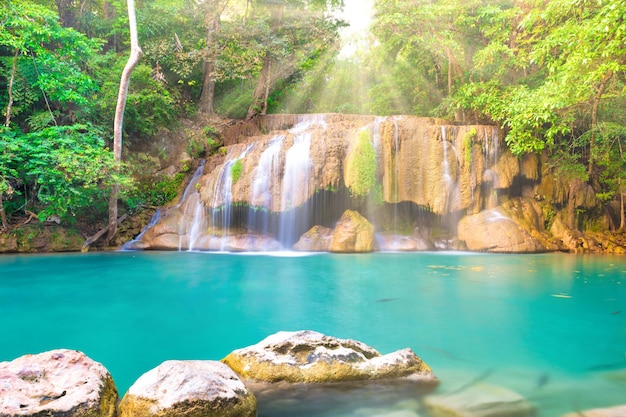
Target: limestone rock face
420, 160
480, 400
189, 389
510, 228
618, 411
311, 357
317, 239
353, 233
56, 383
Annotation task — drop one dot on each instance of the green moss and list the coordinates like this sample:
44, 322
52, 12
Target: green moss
361, 171
468, 144
236, 170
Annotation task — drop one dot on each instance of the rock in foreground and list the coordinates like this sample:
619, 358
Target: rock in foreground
189, 389
56, 383
311, 357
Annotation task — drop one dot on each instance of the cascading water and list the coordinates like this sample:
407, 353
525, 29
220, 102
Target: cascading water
490, 175
194, 213
295, 183
221, 214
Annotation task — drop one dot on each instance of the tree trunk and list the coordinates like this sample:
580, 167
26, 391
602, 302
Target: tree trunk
620, 190
11, 81
135, 55
208, 89
67, 13
258, 98
3, 215
594, 120
208, 79
262, 90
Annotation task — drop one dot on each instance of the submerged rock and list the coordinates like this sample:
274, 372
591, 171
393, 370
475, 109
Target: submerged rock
479, 400
311, 357
56, 383
189, 389
618, 411
353, 233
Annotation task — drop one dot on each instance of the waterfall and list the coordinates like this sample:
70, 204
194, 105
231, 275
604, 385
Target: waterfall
490, 175
221, 214
296, 178
194, 213
266, 173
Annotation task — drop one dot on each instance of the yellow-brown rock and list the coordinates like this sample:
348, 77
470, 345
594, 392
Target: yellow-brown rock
353, 233
311, 357
189, 389
514, 227
316, 239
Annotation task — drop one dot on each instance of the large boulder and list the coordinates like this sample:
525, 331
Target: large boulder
189, 389
57, 383
618, 411
513, 227
311, 357
479, 400
353, 233
316, 239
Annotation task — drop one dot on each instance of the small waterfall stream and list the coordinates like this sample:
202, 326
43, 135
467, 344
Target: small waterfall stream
296, 178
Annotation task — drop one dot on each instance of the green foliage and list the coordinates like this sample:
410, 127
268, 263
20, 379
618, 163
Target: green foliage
52, 72
66, 168
362, 166
235, 170
154, 192
468, 145
150, 108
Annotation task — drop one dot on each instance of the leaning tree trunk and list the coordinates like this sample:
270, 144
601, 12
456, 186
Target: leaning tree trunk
135, 55
261, 92
594, 120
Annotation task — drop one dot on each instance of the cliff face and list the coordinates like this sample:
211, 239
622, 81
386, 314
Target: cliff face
423, 176
441, 167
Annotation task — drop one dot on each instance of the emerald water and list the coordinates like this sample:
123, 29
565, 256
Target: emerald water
550, 327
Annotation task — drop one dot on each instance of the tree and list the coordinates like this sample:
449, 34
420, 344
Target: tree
135, 55
297, 29
213, 10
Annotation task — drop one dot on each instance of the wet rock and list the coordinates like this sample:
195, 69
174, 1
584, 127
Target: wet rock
618, 411
353, 233
513, 227
479, 400
311, 357
317, 239
56, 383
189, 389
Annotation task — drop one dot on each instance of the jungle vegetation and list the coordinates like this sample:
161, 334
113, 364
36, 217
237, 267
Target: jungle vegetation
552, 73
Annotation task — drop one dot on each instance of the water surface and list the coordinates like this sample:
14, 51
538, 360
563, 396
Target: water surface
550, 327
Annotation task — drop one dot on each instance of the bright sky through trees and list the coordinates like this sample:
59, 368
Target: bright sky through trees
358, 13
